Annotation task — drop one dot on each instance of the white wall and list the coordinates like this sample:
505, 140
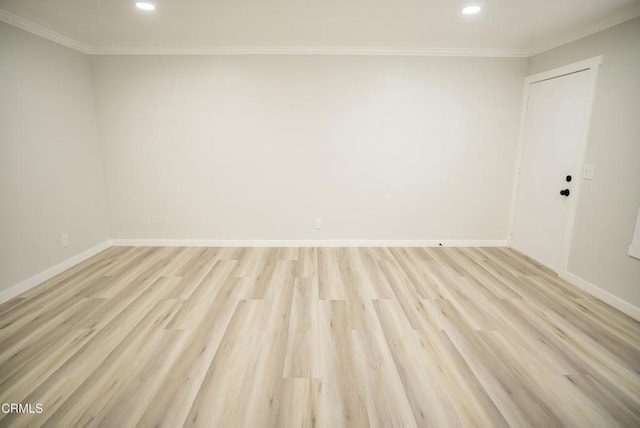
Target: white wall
608, 205
202, 147
51, 180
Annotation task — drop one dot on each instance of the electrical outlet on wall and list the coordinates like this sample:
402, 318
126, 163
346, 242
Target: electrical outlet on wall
64, 238
589, 172
318, 223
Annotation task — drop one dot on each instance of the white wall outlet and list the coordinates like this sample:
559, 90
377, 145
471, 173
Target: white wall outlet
589, 172
318, 223
64, 238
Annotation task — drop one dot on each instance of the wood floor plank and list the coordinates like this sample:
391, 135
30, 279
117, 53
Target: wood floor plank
151, 366
299, 405
262, 403
512, 397
412, 266
385, 398
341, 398
201, 296
301, 359
477, 408
106, 378
359, 292
371, 258
16, 355
622, 409
560, 395
405, 292
173, 399
329, 280
227, 383
431, 406
307, 266
316, 337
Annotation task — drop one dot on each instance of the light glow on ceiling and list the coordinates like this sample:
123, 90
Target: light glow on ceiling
146, 6
470, 10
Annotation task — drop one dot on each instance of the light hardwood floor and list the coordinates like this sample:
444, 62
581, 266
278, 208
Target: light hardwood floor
292, 337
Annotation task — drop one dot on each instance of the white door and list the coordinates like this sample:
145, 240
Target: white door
555, 126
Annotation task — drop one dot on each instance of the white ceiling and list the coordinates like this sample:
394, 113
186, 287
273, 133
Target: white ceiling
503, 25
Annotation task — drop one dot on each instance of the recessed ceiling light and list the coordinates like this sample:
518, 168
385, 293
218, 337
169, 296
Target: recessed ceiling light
470, 10
145, 5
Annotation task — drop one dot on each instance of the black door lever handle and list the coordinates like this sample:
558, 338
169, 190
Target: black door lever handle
565, 192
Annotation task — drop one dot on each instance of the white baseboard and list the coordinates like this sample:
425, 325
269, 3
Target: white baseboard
603, 295
51, 272
69, 263
595, 291
306, 243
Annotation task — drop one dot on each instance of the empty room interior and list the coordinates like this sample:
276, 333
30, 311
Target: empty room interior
284, 213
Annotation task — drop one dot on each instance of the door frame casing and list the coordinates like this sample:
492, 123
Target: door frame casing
590, 65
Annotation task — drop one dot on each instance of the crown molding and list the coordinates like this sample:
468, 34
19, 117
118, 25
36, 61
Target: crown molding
312, 50
625, 14
54, 36
621, 16
44, 32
